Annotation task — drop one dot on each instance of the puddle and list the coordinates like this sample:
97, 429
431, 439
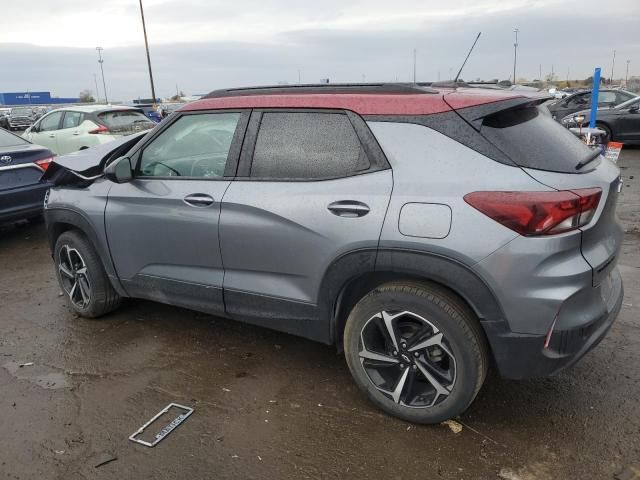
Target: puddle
43, 376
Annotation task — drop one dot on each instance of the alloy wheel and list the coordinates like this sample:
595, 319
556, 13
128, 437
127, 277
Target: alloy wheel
73, 276
407, 358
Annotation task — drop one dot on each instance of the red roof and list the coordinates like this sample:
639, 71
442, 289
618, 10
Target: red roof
361, 103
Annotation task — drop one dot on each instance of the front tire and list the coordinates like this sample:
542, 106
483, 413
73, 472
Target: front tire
416, 350
82, 277
608, 134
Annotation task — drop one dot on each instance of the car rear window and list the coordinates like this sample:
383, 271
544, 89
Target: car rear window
9, 140
121, 118
534, 140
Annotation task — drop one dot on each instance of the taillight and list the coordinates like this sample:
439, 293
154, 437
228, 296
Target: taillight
538, 213
44, 163
101, 129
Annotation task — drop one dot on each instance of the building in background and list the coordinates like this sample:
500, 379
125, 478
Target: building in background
33, 98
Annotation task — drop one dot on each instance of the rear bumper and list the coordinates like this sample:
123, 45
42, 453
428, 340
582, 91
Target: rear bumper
521, 356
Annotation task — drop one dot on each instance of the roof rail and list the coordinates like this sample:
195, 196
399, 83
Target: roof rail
324, 88
446, 84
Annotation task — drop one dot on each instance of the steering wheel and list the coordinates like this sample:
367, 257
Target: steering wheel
195, 165
171, 169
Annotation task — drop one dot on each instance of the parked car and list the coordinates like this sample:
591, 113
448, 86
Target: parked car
425, 232
621, 123
69, 129
4, 118
151, 111
21, 118
579, 101
22, 189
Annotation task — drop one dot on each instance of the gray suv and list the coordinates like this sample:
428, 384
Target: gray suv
426, 232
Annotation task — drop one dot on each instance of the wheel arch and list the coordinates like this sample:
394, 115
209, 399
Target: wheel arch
392, 265
60, 220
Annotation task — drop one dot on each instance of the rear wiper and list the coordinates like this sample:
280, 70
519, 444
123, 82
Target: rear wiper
589, 159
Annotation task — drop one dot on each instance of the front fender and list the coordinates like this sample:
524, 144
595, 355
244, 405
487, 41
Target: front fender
59, 220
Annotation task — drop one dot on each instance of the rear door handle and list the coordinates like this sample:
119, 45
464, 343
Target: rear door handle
198, 200
52, 135
349, 208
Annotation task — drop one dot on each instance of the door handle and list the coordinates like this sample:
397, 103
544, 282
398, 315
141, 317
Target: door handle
198, 200
349, 208
52, 135
76, 133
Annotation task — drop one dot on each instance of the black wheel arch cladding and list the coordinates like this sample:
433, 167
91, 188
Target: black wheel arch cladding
354, 274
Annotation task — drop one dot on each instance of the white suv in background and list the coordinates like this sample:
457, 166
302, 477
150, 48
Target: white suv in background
70, 129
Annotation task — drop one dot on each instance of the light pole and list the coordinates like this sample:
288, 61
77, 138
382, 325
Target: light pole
626, 75
515, 55
95, 80
414, 65
100, 61
146, 46
613, 64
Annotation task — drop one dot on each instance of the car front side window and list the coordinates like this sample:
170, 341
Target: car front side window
50, 122
195, 146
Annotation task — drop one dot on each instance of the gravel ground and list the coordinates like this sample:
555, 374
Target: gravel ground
269, 405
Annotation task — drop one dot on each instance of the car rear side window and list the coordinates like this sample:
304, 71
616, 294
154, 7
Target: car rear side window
71, 119
534, 140
195, 146
306, 146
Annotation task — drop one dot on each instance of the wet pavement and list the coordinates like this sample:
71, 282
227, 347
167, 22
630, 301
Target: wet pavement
270, 405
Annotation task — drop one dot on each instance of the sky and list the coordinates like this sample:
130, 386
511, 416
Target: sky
199, 45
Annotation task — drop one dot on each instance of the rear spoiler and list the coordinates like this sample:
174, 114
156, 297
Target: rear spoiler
474, 115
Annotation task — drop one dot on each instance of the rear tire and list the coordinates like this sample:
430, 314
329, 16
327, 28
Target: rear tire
82, 277
435, 367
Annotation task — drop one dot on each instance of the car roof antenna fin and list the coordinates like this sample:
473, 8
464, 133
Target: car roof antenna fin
455, 80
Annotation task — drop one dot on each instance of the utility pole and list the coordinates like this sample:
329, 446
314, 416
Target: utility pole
414, 65
626, 76
95, 80
100, 61
515, 55
540, 72
146, 46
299, 77
613, 64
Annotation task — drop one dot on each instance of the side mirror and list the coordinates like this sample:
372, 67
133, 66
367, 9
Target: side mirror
634, 108
119, 171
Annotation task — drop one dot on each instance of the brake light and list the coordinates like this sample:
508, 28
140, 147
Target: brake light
538, 213
44, 163
101, 129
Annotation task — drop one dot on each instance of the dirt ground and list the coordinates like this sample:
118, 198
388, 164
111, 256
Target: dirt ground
269, 405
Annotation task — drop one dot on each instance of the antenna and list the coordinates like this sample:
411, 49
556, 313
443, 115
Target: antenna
467, 58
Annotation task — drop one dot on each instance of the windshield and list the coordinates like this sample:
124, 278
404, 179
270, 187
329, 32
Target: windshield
10, 140
21, 111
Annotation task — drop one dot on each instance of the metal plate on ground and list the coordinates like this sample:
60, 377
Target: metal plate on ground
164, 431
